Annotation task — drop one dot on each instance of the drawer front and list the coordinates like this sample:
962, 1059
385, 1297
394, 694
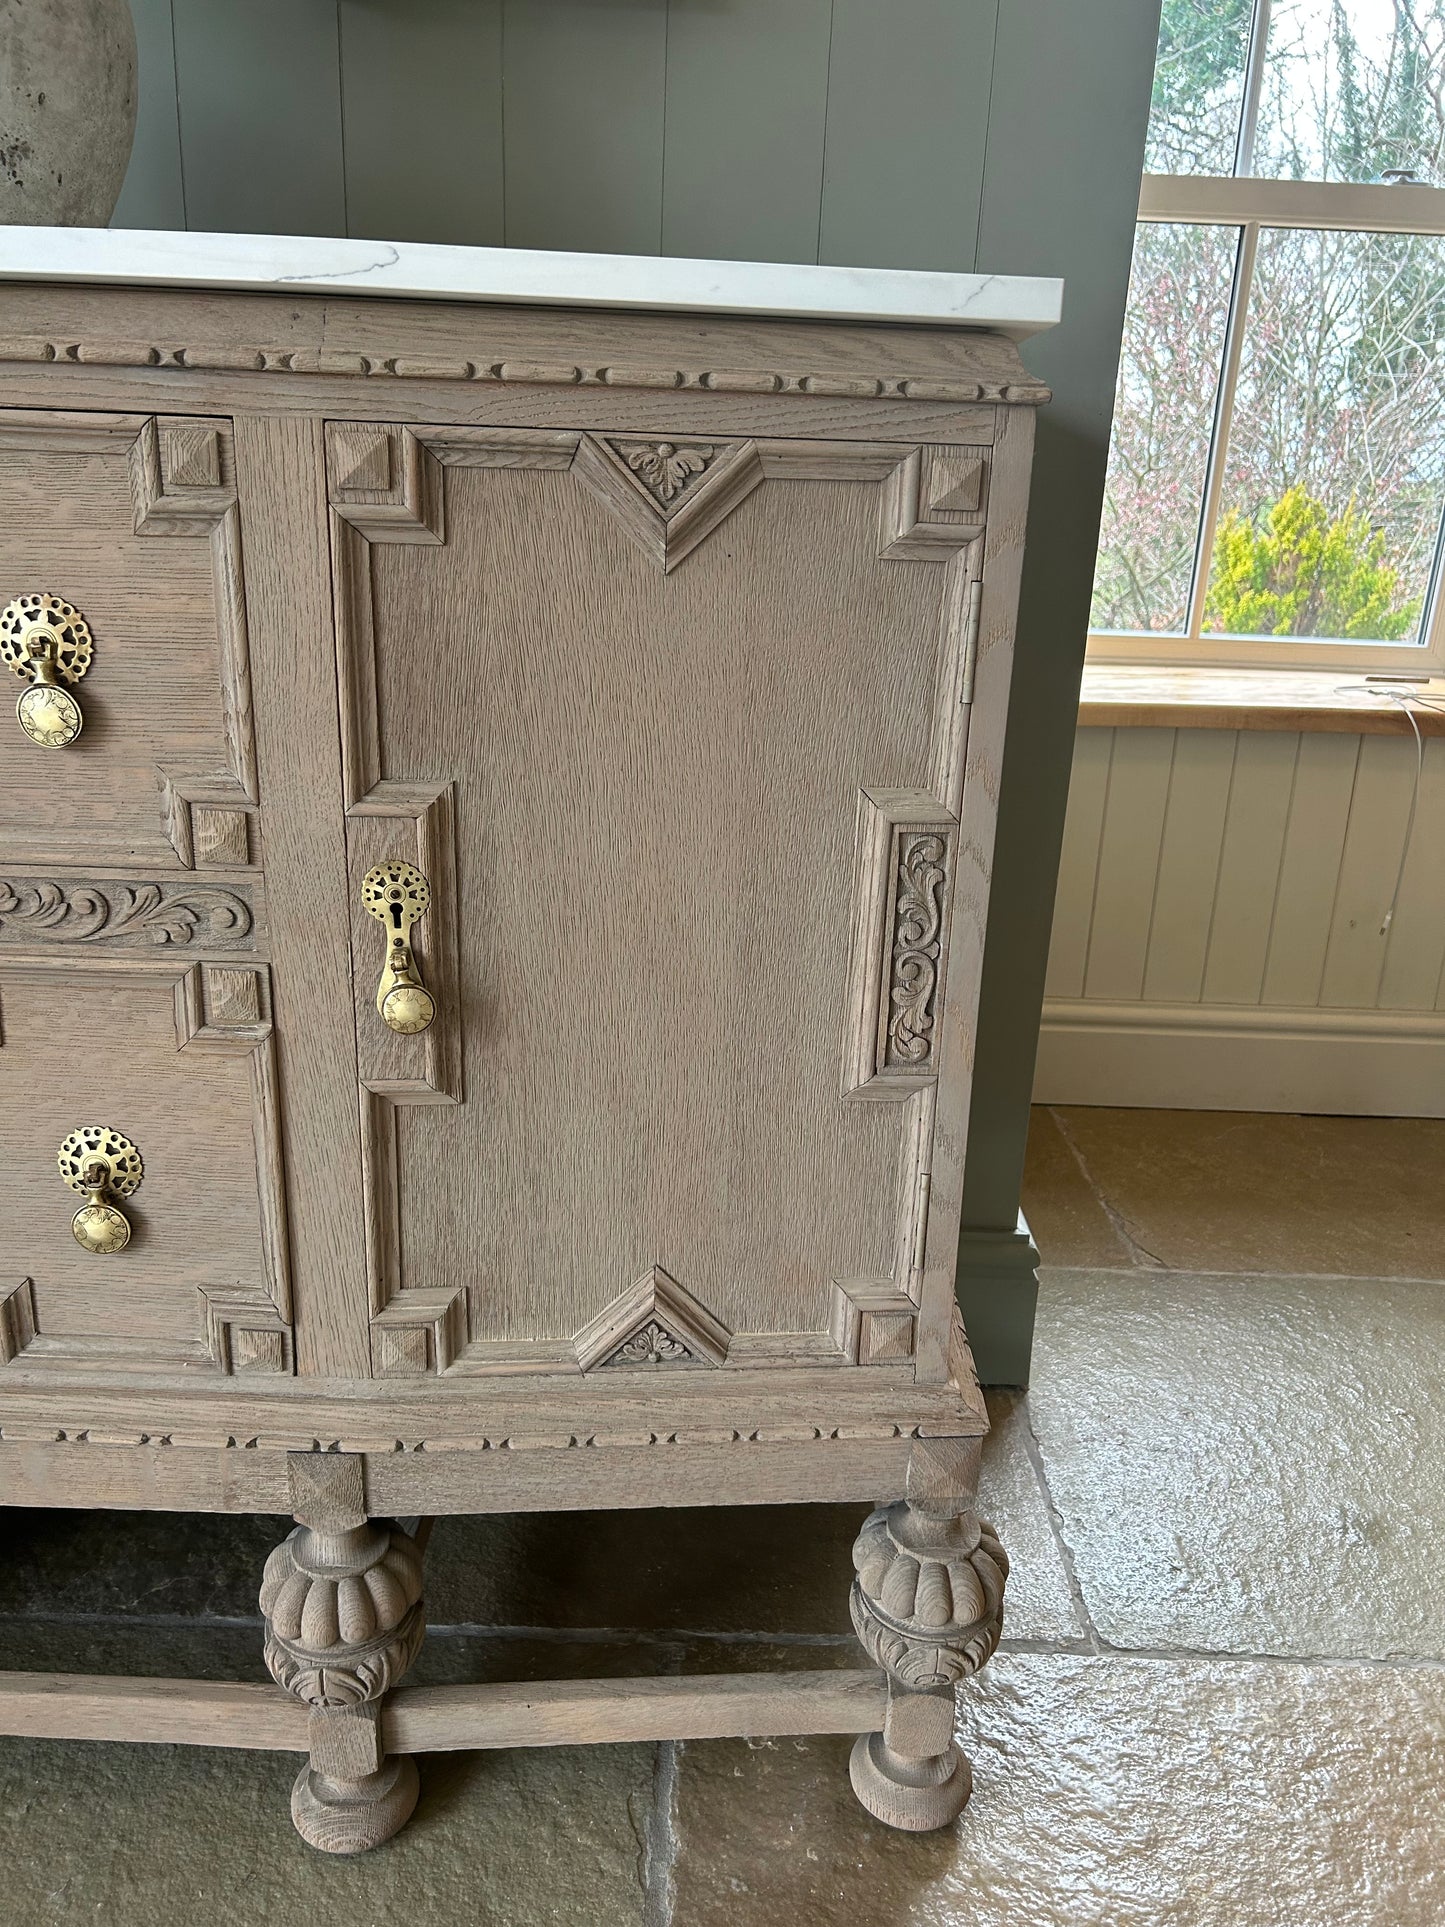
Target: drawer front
132, 522
176, 1059
675, 732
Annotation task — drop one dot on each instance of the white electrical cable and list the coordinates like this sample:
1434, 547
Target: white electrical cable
1402, 699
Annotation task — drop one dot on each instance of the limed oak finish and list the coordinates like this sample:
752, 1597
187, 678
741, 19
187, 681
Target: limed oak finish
633, 688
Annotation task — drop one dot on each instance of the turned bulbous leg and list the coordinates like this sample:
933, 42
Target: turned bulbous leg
342, 1601
927, 1604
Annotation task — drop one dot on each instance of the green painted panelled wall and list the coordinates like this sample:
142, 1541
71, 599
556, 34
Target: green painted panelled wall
1001, 135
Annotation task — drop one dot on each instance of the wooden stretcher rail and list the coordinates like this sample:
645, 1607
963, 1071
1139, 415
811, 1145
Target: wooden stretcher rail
439, 1719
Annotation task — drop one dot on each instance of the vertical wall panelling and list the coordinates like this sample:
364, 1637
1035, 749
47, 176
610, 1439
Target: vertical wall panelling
1079, 865
1415, 948
1067, 108
1189, 852
260, 116
1314, 842
421, 97
583, 95
1128, 862
747, 96
154, 194
1374, 839
1243, 909
908, 127
1284, 849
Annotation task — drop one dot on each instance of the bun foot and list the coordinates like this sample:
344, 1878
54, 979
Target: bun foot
914, 1795
350, 1816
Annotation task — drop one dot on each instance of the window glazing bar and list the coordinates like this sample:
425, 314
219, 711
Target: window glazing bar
1223, 417
1253, 87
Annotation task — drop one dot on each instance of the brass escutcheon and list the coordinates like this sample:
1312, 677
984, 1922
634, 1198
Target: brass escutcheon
106, 1166
47, 644
398, 895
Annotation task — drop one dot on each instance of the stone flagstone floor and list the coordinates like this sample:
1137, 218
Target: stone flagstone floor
1220, 1700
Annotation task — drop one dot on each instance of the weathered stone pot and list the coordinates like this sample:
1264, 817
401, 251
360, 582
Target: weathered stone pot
67, 110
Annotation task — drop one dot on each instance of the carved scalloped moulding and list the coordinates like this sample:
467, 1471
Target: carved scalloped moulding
846, 1430
261, 359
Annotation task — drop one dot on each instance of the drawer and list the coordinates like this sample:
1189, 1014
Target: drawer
176, 1058
132, 522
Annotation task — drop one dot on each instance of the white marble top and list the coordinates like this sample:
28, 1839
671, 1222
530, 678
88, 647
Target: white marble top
1016, 305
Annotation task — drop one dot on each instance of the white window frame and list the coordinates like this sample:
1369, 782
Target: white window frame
1247, 203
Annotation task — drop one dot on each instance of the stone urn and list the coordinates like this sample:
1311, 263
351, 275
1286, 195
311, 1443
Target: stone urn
67, 110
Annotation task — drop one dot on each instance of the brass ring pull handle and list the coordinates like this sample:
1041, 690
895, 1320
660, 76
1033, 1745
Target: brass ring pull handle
105, 1166
398, 895
47, 644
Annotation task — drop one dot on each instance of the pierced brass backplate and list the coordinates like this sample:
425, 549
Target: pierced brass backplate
47, 644
105, 1166
398, 895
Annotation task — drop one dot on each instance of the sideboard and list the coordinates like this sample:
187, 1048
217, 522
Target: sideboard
496, 828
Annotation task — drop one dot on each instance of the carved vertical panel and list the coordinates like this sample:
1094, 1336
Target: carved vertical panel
182, 484
902, 879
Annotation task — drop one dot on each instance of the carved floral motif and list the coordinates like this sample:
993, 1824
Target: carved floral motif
665, 468
651, 1345
122, 913
917, 943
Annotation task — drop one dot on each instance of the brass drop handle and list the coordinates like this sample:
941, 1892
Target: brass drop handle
106, 1166
47, 644
398, 896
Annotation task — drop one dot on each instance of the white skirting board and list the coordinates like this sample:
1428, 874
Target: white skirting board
1210, 1057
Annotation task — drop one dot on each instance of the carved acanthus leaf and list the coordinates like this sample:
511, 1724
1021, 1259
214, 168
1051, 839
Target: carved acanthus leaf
656, 1321
652, 1345
917, 945
666, 469
121, 913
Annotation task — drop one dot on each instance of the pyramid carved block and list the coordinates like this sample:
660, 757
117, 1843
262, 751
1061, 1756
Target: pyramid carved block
932, 504
655, 1322
191, 457
872, 1322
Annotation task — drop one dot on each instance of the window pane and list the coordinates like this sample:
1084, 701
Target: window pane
1198, 86
1163, 416
1333, 482
1352, 87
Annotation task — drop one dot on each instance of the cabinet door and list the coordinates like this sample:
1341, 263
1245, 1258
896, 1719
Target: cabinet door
134, 981
675, 731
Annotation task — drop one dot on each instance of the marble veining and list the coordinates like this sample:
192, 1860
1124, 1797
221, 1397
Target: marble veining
1015, 305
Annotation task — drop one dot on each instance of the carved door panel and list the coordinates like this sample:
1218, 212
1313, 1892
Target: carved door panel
133, 523
675, 732
135, 999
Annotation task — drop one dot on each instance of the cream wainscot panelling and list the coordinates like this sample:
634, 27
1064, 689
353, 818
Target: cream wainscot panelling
1218, 939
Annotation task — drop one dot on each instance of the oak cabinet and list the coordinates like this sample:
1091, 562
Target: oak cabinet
632, 688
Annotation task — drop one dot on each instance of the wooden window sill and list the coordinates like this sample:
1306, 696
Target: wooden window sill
1144, 696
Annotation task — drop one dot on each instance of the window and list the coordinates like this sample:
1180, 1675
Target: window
1276, 486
